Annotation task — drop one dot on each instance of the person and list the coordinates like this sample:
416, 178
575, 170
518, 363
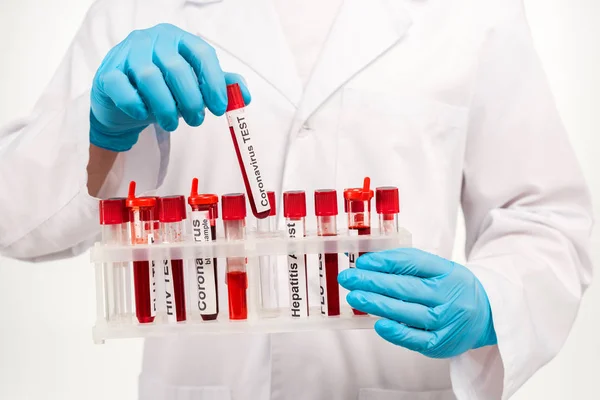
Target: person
446, 100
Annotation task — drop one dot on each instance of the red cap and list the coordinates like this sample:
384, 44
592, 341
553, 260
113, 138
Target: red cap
272, 200
133, 201
233, 206
326, 203
196, 199
172, 208
294, 204
360, 194
387, 200
113, 211
235, 99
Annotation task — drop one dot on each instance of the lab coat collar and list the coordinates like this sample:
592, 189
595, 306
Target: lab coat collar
250, 31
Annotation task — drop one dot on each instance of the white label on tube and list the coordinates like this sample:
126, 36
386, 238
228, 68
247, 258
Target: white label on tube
352, 256
323, 282
243, 135
297, 274
169, 291
152, 277
205, 270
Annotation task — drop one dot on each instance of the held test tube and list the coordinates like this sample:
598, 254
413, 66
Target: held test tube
269, 299
142, 217
205, 212
387, 203
326, 210
114, 219
234, 221
172, 214
358, 206
294, 210
245, 148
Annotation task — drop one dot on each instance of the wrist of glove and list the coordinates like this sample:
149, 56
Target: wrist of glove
428, 304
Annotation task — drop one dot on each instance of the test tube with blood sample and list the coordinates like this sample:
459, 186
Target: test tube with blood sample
172, 215
233, 208
357, 202
205, 212
387, 204
142, 228
244, 140
294, 210
326, 210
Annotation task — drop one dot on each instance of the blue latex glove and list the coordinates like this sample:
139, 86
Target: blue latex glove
156, 75
432, 305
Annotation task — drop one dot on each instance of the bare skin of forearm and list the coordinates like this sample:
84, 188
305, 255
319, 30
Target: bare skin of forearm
99, 165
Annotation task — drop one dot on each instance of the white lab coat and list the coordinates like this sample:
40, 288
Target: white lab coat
445, 99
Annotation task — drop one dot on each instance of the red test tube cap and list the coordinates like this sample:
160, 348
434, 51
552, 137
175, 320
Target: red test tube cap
133, 201
113, 211
272, 203
235, 99
387, 200
233, 206
172, 209
294, 204
203, 199
326, 203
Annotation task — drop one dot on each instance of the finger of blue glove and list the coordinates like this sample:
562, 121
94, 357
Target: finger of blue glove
406, 288
211, 78
151, 85
411, 314
405, 261
180, 79
231, 78
411, 338
117, 87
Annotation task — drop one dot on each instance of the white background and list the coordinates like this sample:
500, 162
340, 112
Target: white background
46, 351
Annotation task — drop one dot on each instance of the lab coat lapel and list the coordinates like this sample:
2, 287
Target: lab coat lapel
362, 31
249, 31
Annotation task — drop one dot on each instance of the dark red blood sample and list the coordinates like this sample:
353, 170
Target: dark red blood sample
333, 289
179, 289
141, 276
362, 230
237, 283
212, 317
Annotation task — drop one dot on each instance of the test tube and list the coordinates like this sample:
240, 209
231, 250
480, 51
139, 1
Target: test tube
387, 204
326, 210
294, 210
234, 221
247, 154
142, 227
204, 216
268, 264
172, 215
357, 202
114, 219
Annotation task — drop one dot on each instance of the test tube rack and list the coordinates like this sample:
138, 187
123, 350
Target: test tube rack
107, 257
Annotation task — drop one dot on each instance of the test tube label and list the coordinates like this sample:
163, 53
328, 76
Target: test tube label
323, 282
297, 274
246, 145
352, 256
152, 286
169, 291
205, 272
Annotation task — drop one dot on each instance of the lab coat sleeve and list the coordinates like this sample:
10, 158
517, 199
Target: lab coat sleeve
527, 212
45, 209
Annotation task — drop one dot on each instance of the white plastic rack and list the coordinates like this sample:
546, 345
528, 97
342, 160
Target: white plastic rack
108, 258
